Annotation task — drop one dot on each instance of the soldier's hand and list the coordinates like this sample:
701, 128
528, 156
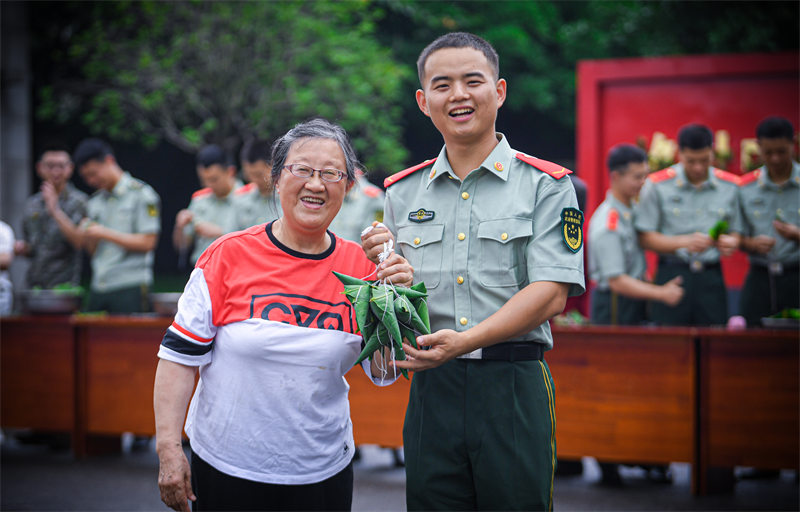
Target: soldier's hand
727, 245
698, 242
21, 248
786, 230
672, 291
373, 241
761, 244
208, 230
442, 346
50, 197
183, 218
396, 270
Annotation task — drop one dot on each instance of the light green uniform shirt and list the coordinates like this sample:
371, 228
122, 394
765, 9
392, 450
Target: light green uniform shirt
253, 208
613, 244
131, 207
207, 207
762, 202
362, 205
673, 206
478, 242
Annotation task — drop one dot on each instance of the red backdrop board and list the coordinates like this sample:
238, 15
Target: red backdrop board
625, 100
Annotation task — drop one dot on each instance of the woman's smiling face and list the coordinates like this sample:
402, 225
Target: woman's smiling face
310, 204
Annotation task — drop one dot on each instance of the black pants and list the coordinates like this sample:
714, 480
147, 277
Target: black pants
218, 491
133, 299
705, 299
609, 308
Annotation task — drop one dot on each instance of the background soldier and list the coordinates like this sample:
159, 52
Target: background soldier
677, 210
120, 232
211, 212
51, 237
256, 202
770, 200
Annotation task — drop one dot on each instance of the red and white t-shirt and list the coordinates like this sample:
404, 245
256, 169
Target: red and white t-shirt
273, 336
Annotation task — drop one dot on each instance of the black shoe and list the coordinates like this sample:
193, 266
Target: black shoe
611, 476
660, 475
569, 467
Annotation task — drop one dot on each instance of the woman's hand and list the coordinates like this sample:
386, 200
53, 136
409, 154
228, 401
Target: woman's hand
372, 242
396, 270
175, 478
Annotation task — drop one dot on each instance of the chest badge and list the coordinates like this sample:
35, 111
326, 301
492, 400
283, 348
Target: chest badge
421, 215
572, 228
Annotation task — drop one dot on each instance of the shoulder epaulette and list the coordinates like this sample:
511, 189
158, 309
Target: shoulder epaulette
372, 191
613, 219
394, 178
726, 176
662, 175
750, 177
245, 189
202, 192
554, 170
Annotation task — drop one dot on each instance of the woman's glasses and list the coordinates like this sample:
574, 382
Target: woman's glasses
306, 172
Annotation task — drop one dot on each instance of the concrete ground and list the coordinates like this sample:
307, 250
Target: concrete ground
36, 477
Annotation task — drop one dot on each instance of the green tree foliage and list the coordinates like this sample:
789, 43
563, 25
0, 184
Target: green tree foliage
193, 73
540, 42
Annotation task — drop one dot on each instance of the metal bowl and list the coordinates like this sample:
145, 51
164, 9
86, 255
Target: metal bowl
165, 303
54, 302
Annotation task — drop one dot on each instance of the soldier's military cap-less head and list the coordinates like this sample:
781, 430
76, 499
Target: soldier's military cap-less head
215, 170
696, 151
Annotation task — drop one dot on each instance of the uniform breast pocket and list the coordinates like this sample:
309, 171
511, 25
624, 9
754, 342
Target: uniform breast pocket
502, 248
422, 247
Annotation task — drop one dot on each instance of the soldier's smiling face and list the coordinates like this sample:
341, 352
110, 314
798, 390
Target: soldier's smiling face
460, 93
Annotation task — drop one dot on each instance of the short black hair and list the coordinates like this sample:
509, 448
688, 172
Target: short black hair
213, 155
623, 154
775, 127
53, 145
459, 40
695, 136
91, 149
255, 150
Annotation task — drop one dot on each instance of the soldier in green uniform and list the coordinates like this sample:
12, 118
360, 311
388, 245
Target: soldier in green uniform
51, 237
770, 201
256, 202
120, 232
211, 212
617, 265
496, 236
689, 214
362, 205
616, 261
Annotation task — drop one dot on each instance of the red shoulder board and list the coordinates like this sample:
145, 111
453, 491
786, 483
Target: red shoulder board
394, 178
202, 192
613, 218
372, 191
662, 175
554, 170
750, 177
726, 176
245, 189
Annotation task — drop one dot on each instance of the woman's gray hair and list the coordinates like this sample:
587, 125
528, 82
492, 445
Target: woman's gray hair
314, 129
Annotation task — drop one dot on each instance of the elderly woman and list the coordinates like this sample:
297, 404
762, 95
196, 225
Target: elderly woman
266, 322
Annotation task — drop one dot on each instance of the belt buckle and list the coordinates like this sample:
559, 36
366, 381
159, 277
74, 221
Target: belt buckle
696, 266
775, 268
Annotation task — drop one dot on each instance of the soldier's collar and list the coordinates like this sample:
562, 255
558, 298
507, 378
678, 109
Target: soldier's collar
122, 184
498, 162
681, 181
616, 203
794, 179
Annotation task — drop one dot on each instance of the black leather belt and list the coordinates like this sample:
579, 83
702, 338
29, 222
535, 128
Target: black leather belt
694, 265
514, 351
792, 265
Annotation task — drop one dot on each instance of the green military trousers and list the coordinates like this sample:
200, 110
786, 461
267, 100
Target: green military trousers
480, 435
705, 299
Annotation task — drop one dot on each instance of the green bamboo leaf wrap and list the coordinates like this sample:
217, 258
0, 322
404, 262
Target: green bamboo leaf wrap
349, 279
382, 306
409, 334
371, 346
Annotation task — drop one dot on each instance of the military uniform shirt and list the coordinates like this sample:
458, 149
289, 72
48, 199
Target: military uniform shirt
670, 205
207, 207
763, 201
362, 205
612, 243
478, 242
53, 260
253, 208
131, 207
